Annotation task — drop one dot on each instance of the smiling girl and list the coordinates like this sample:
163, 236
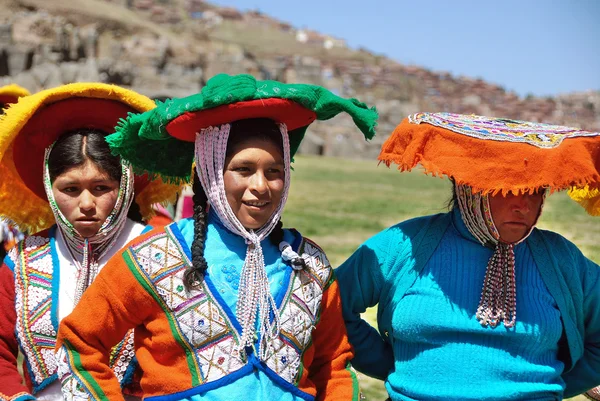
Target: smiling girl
226, 305
60, 181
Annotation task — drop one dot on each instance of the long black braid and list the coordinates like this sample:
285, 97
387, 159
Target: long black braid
194, 274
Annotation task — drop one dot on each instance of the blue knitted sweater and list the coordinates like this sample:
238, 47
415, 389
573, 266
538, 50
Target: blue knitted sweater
441, 353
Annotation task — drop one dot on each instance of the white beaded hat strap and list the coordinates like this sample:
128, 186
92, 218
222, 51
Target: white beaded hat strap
254, 296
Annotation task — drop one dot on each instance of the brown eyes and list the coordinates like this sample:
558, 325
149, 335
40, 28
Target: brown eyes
243, 169
97, 188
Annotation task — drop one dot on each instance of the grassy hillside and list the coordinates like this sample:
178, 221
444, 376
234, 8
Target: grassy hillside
340, 203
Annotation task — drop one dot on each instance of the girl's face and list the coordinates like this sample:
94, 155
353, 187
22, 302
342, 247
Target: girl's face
514, 215
254, 181
85, 195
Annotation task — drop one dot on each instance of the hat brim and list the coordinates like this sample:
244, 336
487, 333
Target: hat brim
55, 119
36, 121
5, 99
285, 111
492, 166
12, 93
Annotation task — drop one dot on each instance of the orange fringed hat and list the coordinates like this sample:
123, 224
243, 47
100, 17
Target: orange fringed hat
12, 93
36, 121
494, 155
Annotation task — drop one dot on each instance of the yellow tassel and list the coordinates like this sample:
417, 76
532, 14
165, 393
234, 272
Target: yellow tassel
588, 198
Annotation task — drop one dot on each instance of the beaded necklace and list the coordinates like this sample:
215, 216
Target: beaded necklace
254, 297
91, 249
498, 301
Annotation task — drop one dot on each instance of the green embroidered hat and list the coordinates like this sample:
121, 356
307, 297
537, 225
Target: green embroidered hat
161, 141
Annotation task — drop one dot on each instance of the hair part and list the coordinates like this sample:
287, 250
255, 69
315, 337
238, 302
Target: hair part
75, 148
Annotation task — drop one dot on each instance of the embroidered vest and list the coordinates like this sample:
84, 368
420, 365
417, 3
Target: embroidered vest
36, 308
207, 330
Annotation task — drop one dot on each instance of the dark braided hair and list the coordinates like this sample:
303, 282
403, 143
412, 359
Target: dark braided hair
195, 273
240, 131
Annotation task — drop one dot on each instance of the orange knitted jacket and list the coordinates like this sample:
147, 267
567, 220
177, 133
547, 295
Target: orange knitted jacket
142, 288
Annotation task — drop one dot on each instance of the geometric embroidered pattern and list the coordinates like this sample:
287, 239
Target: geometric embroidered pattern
201, 323
299, 313
203, 327
501, 129
36, 333
33, 300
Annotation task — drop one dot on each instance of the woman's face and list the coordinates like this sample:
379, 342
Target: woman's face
514, 215
85, 195
254, 181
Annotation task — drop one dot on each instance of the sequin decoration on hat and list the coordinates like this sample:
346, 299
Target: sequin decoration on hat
493, 155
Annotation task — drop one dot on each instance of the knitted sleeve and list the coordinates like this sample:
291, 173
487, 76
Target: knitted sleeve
12, 387
113, 304
330, 369
586, 372
361, 280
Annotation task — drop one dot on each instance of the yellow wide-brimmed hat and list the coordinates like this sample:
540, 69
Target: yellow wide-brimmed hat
11, 93
37, 121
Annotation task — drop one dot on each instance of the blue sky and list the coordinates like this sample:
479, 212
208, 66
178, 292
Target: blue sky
542, 47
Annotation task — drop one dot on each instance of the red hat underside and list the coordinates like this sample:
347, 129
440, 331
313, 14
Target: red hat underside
285, 111
55, 119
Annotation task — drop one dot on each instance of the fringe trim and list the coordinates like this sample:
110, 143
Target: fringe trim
478, 186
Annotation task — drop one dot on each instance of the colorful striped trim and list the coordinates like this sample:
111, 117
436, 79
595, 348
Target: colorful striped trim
356, 393
16, 397
83, 377
34, 293
37, 284
158, 263
141, 276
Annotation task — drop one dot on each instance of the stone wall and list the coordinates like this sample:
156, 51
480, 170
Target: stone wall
39, 50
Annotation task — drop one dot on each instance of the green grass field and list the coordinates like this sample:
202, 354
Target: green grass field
340, 203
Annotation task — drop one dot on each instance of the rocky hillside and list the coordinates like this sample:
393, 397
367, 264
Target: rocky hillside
166, 48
